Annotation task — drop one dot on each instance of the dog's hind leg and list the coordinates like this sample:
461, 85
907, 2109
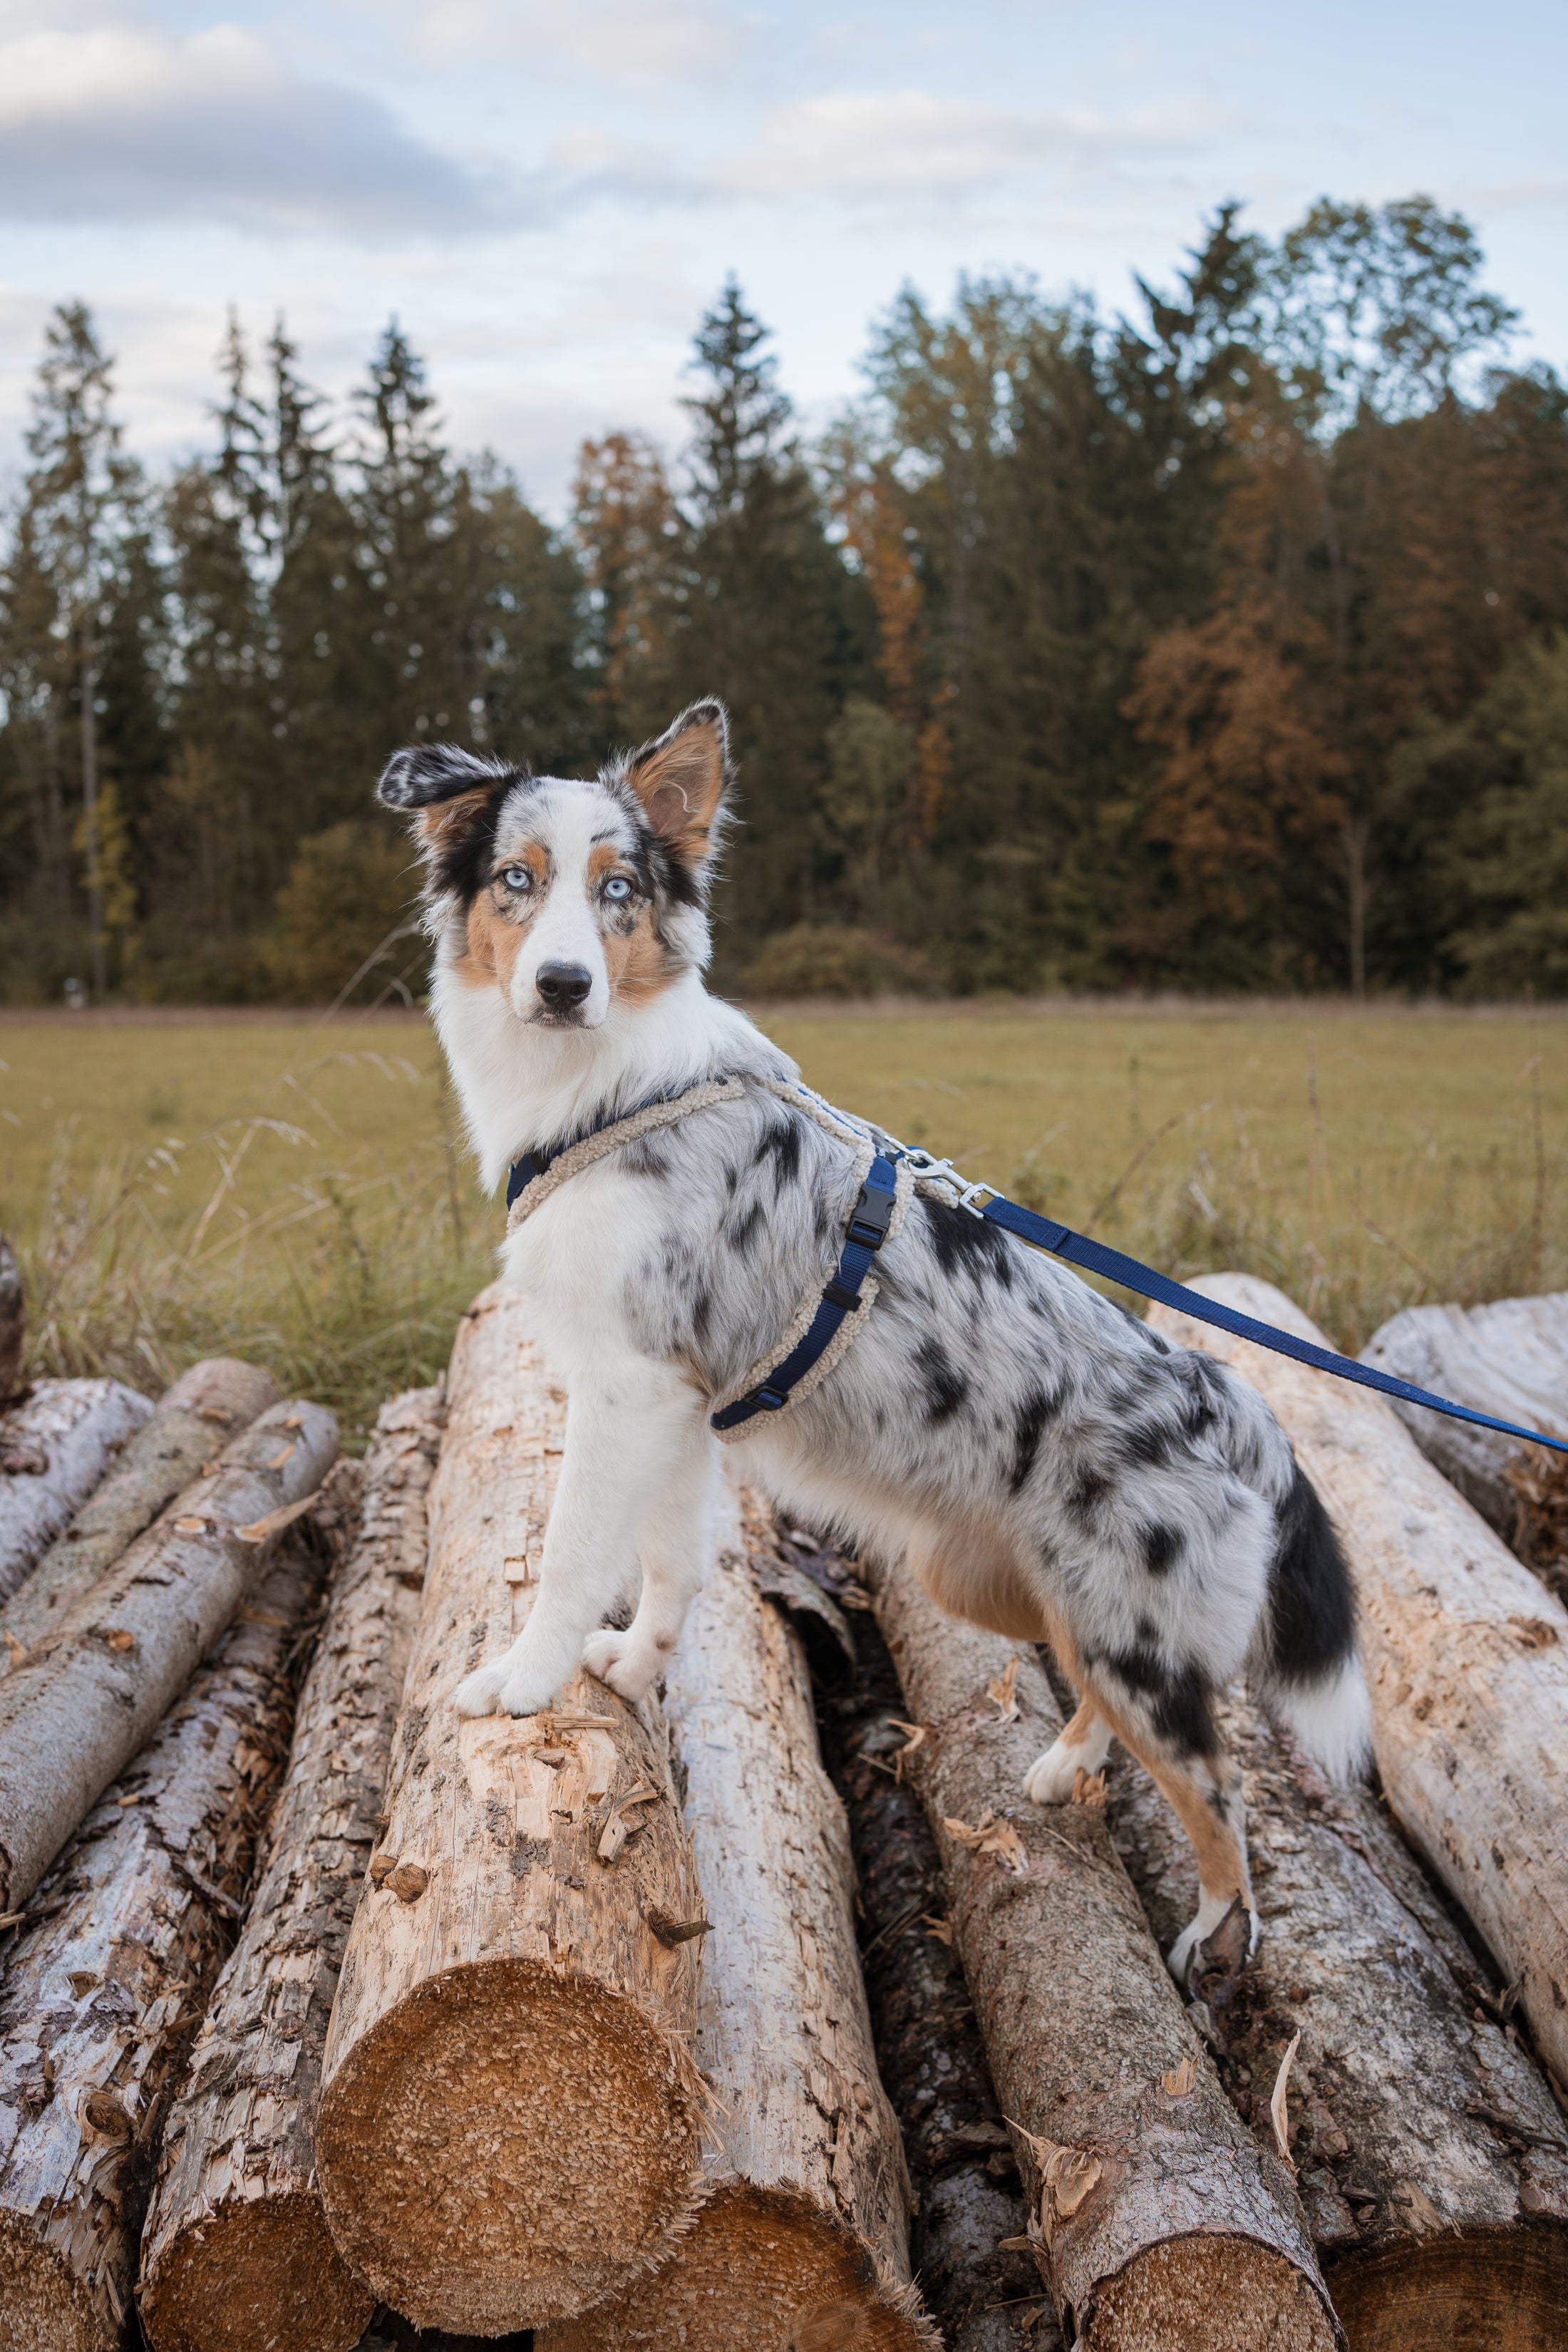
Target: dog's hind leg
1082, 1747
1173, 1734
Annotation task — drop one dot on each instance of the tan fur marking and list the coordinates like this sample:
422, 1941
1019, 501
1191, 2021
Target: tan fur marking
1222, 1866
680, 787
440, 822
989, 1589
603, 861
532, 854
637, 965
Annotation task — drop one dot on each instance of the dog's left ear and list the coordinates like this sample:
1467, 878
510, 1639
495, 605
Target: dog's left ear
428, 773
682, 778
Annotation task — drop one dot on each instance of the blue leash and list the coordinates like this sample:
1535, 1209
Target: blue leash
1094, 1257
868, 1222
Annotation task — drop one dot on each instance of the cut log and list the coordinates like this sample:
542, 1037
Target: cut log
510, 2125
1466, 1657
1163, 2225
190, 1423
102, 1990
979, 2288
71, 1723
1432, 2158
802, 2235
1510, 1360
237, 2254
12, 1322
53, 1449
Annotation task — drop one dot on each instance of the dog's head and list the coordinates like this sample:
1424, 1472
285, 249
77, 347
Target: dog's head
569, 896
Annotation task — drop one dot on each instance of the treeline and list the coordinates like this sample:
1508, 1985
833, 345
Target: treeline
1220, 647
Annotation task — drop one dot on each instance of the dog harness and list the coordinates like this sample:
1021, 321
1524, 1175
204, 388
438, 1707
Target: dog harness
828, 1320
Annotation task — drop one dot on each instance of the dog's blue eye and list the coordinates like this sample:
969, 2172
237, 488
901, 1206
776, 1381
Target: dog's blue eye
517, 878
618, 889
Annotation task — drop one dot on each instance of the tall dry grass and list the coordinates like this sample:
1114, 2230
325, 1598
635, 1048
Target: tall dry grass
324, 1220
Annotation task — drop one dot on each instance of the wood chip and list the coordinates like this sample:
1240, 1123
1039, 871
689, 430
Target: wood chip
1177, 2081
295, 1420
262, 1530
1280, 2114
215, 1413
916, 1735
1089, 1789
18, 1649
211, 1469
408, 1881
991, 1836
278, 1460
194, 1527
119, 1638
941, 1928
382, 1865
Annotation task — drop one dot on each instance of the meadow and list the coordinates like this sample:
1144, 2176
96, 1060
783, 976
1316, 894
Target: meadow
295, 1188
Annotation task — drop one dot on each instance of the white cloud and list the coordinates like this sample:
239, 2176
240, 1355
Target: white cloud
852, 143
116, 122
617, 40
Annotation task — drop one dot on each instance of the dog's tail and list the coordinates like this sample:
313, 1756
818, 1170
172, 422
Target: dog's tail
1305, 1665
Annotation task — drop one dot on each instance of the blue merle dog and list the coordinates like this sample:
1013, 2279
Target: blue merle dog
1050, 1466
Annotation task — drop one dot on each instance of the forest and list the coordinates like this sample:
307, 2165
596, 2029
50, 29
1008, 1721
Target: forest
1221, 646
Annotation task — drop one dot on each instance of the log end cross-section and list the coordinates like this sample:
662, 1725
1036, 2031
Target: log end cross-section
511, 2113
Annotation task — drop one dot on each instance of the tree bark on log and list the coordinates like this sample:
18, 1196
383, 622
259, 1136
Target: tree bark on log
802, 2234
1510, 1360
1164, 2226
1432, 2158
1466, 1658
236, 2254
510, 2125
71, 1723
978, 2288
53, 1449
101, 1991
190, 1423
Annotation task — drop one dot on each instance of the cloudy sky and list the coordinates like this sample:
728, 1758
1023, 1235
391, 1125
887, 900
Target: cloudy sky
547, 191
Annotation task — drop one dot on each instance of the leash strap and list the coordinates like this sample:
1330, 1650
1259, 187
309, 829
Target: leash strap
1095, 1257
868, 1222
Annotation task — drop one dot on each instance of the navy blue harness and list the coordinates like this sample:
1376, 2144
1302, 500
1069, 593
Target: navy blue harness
868, 1222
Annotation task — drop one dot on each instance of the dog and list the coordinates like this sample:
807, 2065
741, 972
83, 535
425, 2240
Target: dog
1052, 1469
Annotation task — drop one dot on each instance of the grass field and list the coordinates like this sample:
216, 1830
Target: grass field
296, 1190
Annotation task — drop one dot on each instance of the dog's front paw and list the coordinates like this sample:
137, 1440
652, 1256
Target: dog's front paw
1225, 1935
615, 1658
476, 1693
1049, 1778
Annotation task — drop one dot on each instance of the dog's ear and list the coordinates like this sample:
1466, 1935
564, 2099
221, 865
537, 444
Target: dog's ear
427, 774
682, 778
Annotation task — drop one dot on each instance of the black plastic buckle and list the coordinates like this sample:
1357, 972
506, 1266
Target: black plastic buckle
873, 1214
770, 1400
838, 1294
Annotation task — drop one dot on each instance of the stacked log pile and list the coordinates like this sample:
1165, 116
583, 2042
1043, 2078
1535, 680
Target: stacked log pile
1432, 2159
190, 1423
561, 2024
104, 1988
511, 2114
74, 1718
237, 2252
1510, 1360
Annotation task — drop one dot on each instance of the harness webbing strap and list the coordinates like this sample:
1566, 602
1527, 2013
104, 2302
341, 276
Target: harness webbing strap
1095, 1257
869, 1225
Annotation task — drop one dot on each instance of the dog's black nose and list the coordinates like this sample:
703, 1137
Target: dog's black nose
563, 985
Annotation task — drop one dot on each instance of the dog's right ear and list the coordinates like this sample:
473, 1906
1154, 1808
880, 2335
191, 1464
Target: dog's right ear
427, 774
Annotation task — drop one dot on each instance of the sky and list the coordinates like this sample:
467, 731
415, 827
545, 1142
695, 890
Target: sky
548, 192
